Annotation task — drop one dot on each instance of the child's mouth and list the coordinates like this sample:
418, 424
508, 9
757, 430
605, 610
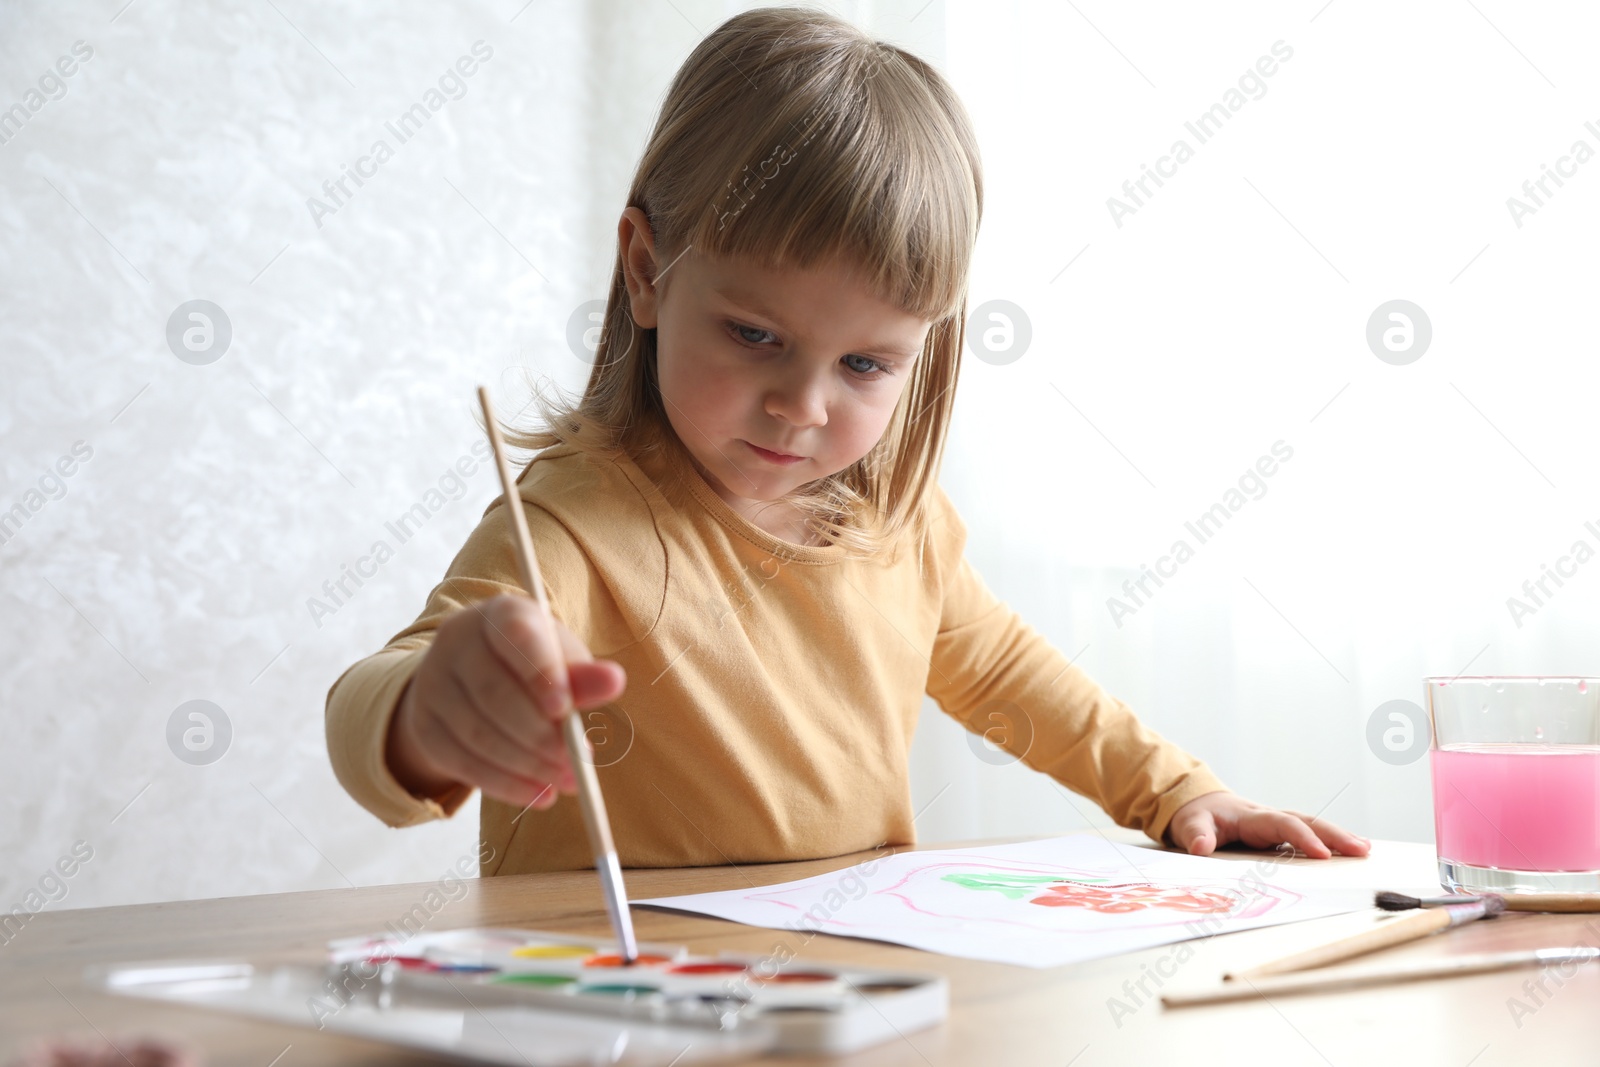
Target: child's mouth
774, 457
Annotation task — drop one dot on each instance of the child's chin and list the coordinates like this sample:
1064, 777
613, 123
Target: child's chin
772, 489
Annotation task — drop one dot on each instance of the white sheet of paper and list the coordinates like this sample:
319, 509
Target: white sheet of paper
1038, 903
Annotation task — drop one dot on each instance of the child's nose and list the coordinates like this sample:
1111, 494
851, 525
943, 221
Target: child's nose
800, 400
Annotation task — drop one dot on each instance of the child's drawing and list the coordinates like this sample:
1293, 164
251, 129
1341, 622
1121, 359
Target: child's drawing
1039, 903
1019, 897
1096, 894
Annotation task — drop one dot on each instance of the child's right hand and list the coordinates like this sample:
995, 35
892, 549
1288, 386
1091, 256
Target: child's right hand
484, 707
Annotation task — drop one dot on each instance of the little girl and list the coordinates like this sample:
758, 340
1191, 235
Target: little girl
755, 572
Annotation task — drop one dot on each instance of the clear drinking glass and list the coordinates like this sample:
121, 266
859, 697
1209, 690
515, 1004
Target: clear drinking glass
1516, 783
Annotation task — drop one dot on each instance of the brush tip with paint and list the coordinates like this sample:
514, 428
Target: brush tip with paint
1546, 902
1389, 900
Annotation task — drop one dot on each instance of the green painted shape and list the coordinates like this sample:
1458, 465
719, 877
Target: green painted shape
1015, 886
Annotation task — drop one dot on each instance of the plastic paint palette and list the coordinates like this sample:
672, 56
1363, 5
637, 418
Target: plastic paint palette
549, 997
587, 967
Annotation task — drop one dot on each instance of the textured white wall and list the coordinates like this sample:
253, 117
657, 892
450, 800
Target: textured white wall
176, 562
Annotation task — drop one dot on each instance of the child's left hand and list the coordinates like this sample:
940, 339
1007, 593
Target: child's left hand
1208, 822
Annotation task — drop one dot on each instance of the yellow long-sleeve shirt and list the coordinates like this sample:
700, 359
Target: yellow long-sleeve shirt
772, 688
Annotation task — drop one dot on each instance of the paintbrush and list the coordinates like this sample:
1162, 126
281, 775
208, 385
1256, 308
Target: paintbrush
1386, 934
589, 797
1568, 902
1360, 977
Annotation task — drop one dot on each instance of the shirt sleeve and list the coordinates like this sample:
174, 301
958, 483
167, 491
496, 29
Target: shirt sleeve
1000, 678
362, 702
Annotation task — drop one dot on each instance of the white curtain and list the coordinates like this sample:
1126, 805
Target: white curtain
1229, 311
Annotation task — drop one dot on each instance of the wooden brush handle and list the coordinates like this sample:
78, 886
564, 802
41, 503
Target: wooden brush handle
1569, 902
1384, 935
1349, 978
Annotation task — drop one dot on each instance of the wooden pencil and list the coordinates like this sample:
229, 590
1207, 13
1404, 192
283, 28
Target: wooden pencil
578, 753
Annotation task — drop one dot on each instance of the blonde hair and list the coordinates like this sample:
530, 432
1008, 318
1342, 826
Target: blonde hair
791, 137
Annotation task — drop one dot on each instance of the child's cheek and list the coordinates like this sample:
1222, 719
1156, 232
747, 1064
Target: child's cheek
726, 394
867, 427
713, 399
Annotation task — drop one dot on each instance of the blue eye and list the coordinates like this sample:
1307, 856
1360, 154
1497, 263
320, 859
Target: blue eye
872, 370
743, 330
871, 366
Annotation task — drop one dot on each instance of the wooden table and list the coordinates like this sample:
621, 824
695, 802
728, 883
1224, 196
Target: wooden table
999, 1014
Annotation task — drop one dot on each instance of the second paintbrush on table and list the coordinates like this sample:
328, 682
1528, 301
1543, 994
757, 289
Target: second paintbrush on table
1386, 934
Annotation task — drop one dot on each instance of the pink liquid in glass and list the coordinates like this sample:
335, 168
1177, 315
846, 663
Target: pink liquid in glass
1518, 807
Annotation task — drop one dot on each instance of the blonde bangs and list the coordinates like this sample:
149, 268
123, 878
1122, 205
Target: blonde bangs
854, 165
792, 139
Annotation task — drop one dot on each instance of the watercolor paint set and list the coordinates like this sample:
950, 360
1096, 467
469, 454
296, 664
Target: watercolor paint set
530, 997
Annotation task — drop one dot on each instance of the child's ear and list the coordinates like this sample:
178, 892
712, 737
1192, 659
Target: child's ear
638, 245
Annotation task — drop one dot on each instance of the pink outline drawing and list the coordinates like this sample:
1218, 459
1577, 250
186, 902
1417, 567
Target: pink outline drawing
1006, 894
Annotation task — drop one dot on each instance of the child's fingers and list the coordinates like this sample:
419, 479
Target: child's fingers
1268, 827
1335, 837
597, 682
517, 639
593, 682
541, 797
510, 734
1195, 831
538, 796
517, 632
501, 698
465, 764
480, 736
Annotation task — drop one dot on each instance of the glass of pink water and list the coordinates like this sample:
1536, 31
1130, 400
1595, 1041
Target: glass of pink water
1516, 783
